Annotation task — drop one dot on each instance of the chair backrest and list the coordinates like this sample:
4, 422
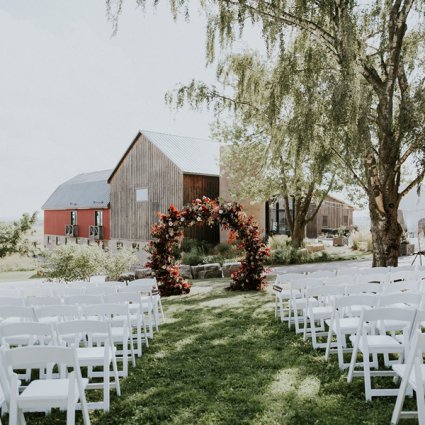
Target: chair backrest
98, 279
83, 299
39, 356
37, 291
101, 290
105, 310
324, 291
306, 283
123, 297
389, 313
372, 278
343, 280
10, 293
37, 301
137, 289
66, 291
286, 279
403, 275
22, 314
368, 288
404, 299
82, 330
402, 285
41, 333
57, 313
365, 300
12, 301
145, 281
322, 273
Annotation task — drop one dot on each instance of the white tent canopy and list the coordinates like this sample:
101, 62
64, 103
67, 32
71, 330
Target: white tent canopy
413, 208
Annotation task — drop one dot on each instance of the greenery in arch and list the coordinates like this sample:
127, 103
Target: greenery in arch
168, 234
377, 48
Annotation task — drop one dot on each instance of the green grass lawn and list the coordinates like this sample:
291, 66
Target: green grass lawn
222, 358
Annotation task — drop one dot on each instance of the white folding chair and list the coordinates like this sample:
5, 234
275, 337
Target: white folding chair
298, 300
368, 342
344, 321
397, 275
98, 279
402, 286
283, 294
412, 375
137, 321
118, 316
151, 285
88, 355
44, 394
318, 309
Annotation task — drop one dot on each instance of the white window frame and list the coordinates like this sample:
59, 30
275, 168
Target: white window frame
142, 194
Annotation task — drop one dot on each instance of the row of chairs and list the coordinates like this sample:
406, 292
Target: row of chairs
377, 318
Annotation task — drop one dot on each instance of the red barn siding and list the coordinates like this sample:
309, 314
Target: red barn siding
55, 221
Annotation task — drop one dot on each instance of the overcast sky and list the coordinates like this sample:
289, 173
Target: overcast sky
72, 97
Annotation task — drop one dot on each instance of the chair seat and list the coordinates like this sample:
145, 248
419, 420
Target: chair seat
47, 392
391, 325
301, 303
91, 355
400, 369
379, 343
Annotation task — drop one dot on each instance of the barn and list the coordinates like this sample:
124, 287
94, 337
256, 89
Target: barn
158, 170
78, 211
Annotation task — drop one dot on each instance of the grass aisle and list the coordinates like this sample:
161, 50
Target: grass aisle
222, 358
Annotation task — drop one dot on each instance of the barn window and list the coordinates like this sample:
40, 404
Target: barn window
345, 220
120, 245
141, 195
135, 246
98, 218
48, 240
325, 221
73, 218
57, 240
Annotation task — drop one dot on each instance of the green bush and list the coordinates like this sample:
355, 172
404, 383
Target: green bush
193, 257
201, 252
117, 263
290, 255
78, 262
72, 262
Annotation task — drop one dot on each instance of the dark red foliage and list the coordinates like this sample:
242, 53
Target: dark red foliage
168, 234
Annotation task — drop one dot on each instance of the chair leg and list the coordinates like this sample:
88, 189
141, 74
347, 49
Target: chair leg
328, 342
353, 359
13, 405
116, 374
366, 374
70, 409
106, 384
420, 401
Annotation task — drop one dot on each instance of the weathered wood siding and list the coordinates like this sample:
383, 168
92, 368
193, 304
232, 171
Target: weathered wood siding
331, 215
195, 186
144, 166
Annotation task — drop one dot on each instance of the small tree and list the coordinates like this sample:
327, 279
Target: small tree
115, 264
73, 262
13, 237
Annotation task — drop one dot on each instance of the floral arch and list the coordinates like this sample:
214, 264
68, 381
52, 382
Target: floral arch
168, 234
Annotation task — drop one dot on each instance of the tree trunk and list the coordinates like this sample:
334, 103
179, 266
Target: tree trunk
386, 234
298, 232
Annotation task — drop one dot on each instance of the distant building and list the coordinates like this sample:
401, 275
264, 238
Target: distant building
117, 208
78, 211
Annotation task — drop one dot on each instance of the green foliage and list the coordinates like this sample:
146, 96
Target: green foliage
117, 263
13, 237
78, 262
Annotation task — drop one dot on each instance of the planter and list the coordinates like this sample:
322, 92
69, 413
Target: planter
340, 241
315, 248
407, 249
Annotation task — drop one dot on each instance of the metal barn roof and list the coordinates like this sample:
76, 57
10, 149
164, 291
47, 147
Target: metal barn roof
191, 155
88, 190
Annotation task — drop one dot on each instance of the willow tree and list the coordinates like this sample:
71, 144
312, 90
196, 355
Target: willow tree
14, 236
278, 146
378, 49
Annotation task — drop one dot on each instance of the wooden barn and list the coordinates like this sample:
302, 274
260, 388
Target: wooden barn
332, 214
78, 211
158, 170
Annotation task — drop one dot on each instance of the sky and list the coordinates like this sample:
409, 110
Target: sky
72, 96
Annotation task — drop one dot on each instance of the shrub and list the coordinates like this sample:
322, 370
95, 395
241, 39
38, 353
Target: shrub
73, 262
358, 237
278, 242
193, 257
116, 264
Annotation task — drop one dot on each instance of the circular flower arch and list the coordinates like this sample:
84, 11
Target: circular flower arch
168, 234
